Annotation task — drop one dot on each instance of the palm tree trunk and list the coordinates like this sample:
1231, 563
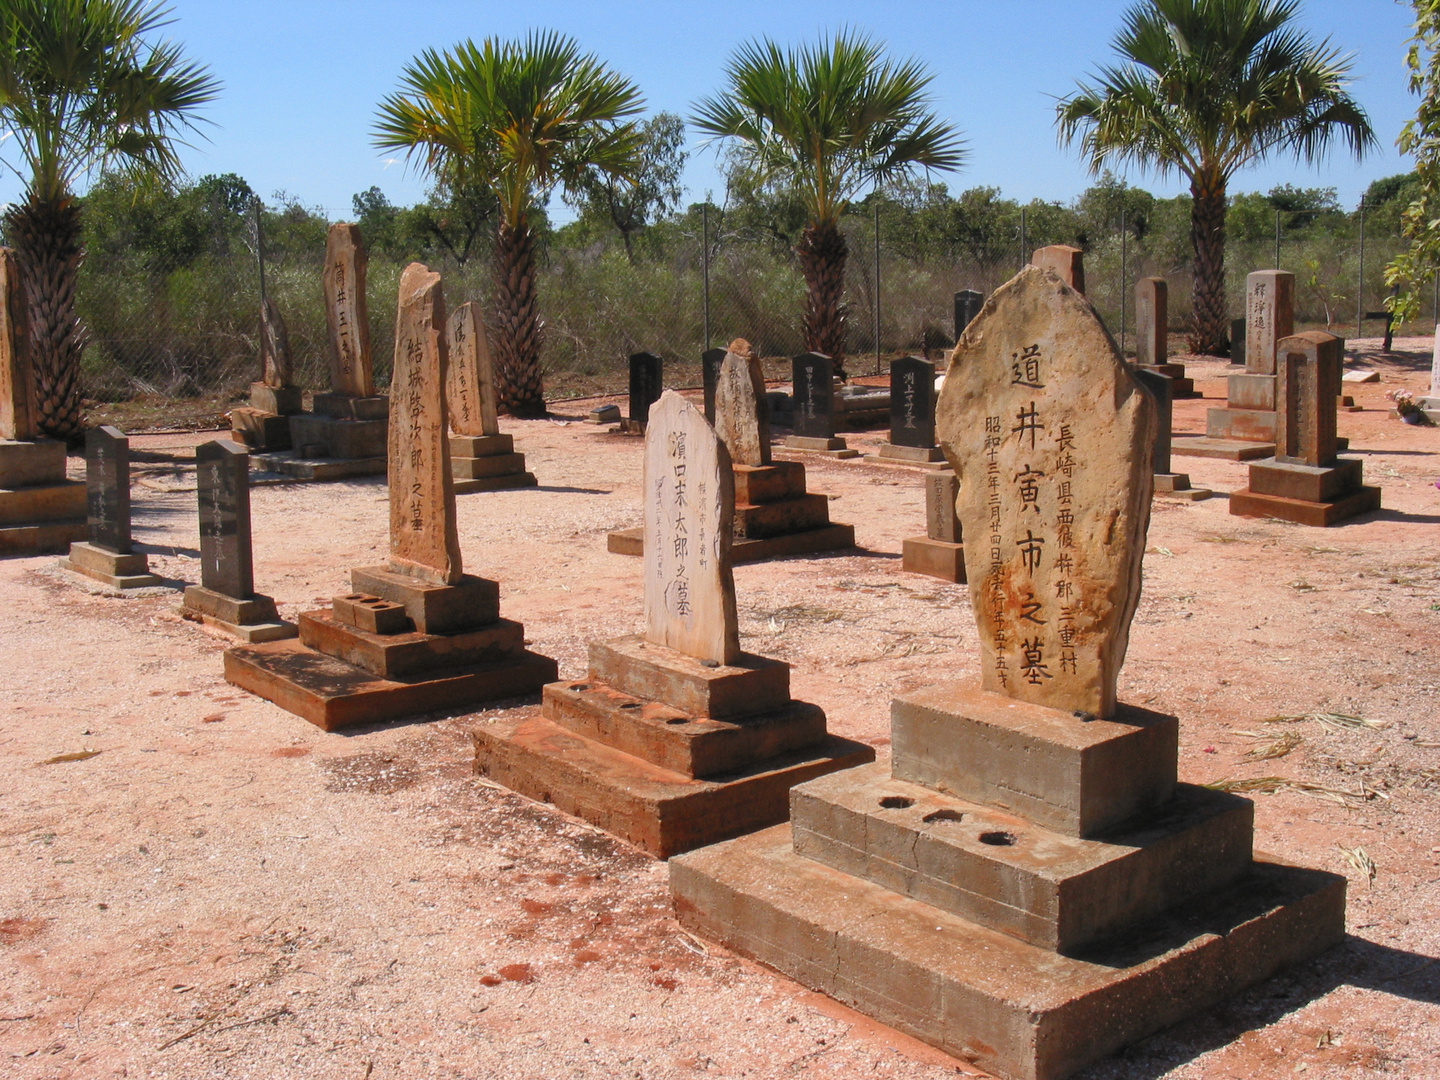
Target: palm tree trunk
518, 330
46, 238
823, 251
1210, 335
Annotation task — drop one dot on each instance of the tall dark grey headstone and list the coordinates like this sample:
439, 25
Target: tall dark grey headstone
107, 488
1237, 341
813, 390
968, 303
646, 384
1162, 390
912, 402
222, 472
710, 361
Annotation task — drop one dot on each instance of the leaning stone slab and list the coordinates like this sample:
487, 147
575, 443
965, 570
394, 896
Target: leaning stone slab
742, 414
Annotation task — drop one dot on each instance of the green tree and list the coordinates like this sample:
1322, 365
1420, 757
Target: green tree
655, 191
1420, 138
517, 118
84, 92
1205, 88
828, 121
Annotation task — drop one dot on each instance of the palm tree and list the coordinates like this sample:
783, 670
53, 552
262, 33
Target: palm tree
84, 92
1205, 88
516, 118
830, 121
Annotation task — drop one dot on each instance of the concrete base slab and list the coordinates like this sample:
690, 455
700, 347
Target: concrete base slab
43, 504
250, 633
292, 466
1227, 449
27, 462
1177, 486
1246, 503
260, 431
1021, 1012
129, 570
834, 447
833, 537
410, 654
509, 482
1188, 494
331, 694
47, 538
470, 604
201, 602
657, 810
904, 463
914, 455
935, 558
642, 669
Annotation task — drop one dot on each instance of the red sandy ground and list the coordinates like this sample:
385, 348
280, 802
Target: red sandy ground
224, 890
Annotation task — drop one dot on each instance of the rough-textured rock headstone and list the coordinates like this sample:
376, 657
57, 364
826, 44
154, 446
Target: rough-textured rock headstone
912, 402
1052, 439
647, 380
471, 403
1068, 262
107, 488
968, 303
710, 361
813, 389
689, 509
222, 472
1307, 384
424, 540
275, 360
742, 413
1152, 320
1269, 316
351, 367
17, 383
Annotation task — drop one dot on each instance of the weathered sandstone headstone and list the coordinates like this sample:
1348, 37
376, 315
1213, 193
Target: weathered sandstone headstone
941, 521
647, 380
813, 389
1068, 262
1152, 320
1269, 316
472, 375
689, 507
1052, 439
424, 540
912, 402
968, 303
351, 367
17, 383
1308, 382
275, 359
107, 486
742, 414
222, 477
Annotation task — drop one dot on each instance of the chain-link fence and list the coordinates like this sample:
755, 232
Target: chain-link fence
168, 333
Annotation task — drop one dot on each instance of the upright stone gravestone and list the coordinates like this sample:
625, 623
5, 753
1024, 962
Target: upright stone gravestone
940, 552
109, 556
40, 510
710, 361
638, 746
1066, 261
1152, 336
226, 598
1245, 428
647, 381
1307, 482
482, 458
416, 633
352, 371
813, 407
1167, 482
1237, 341
912, 416
742, 413
968, 303
1004, 890
264, 424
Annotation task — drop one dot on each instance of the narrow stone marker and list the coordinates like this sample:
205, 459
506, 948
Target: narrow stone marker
1152, 336
710, 361
647, 381
1167, 482
109, 556
417, 633
812, 393
1066, 261
264, 424
352, 369
481, 458
675, 738
968, 303
912, 417
1028, 834
226, 599
940, 552
742, 415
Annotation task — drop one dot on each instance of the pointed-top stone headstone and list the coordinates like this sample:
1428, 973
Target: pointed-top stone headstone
742, 412
472, 375
17, 384
424, 539
689, 514
107, 488
710, 361
222, 479
276, 365
1067, 261
351, 368
1051, 438
968, 303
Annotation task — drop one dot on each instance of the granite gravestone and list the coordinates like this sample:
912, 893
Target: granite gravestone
107, 488
940, 552
742, 414
222, 479
710, 361
912, 402
968, 303
647, 381
689, 507
814, 396
424, 540
346, 309
1237, 341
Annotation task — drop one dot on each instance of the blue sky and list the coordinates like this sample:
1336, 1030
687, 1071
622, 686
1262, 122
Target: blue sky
302, 78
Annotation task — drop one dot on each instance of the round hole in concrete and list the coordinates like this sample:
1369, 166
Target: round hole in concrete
630, 705
678, 720
943, 815
580, 686
355, 596
896, 802
997, 839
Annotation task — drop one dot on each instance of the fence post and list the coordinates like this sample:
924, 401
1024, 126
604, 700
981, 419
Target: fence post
1124, 249
705, 263
1023, 257
1277, 238
260, 250
877, 282
1360, 282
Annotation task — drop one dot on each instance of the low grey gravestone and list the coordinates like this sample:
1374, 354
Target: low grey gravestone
646, 383
912, 402
107, 488
814, 396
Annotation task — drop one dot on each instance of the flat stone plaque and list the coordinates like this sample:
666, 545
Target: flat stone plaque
107, 488
222, 470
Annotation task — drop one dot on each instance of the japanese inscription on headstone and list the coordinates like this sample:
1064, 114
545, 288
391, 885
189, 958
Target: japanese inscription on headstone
813, 391
710, 361
17, 387
1308, 384
689, 512
646, 382
968, 303
471, 401
275, 360
912, 402
107, 488
1152, 320
424, 538
1052, 439
1269, 316
222, 470
941, 522
351, 369
742, 414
